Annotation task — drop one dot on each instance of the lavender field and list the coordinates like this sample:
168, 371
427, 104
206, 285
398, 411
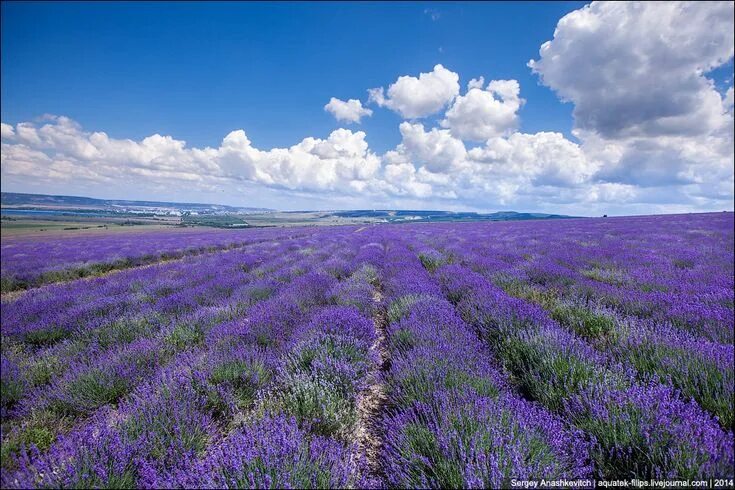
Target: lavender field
30, 261
448, 355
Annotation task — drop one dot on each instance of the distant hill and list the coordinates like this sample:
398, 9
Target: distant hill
28, 201
233, 216
406, 215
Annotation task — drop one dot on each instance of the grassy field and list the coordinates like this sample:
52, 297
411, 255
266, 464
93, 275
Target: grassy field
73, 225
32, 226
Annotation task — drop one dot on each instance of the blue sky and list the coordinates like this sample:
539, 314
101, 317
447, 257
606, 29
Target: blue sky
197, 71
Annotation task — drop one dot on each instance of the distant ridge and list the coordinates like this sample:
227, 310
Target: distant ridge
41, 203
405, 215
17, 199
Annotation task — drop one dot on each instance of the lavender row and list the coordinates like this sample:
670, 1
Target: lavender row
658, 346
299, 433
701, 369
33, 261
302, 436
183, 332
670, 269
178, 412
92, 318
245, 374
89, 383
453, 421
655, 351
643, 430
50, 313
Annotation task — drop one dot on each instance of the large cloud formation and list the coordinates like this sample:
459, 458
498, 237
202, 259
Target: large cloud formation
636, 74
653, 133
60, 149
637, 69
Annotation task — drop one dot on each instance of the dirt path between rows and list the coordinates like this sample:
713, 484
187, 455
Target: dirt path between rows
372, 402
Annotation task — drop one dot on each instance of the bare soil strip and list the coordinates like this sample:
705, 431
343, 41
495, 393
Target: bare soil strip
372, 401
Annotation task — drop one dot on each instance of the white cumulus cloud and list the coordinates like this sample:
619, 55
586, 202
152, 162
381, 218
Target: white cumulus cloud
476, 83
337, 163
6, 131
350, 111
414, 98
482, 114
436, 149
543, 158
